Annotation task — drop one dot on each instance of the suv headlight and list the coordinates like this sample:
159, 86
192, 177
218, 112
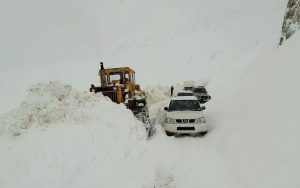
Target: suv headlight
170, 120
201, 120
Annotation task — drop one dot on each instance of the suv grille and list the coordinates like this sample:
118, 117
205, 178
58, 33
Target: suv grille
185, 128
185, 120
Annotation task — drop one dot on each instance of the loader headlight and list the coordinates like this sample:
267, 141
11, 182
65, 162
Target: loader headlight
170, 120
201, 120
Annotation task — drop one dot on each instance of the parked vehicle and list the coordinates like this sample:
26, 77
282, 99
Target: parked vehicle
185, 116
201, 94
185, 93
188, 85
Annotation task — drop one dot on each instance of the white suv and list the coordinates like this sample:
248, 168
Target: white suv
184, 116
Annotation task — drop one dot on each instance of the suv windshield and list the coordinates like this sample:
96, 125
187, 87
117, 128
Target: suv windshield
185, 94
200, 90
184, 105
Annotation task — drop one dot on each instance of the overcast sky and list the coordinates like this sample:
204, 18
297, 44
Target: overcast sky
173, 39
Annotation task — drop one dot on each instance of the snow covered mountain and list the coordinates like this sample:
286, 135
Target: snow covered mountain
58, 135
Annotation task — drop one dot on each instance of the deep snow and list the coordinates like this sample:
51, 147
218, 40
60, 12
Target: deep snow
60, 137
229, 45
253, 140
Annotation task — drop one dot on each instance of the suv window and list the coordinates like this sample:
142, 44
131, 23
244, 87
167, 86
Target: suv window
188, 88
184, 105
200, 90
185, 94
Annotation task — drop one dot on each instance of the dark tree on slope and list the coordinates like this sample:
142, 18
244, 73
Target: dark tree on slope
291, 22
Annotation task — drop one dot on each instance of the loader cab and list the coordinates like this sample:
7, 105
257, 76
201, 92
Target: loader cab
129, 76
112, 76
119, 85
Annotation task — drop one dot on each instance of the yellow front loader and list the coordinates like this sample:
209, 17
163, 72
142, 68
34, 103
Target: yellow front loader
119, 85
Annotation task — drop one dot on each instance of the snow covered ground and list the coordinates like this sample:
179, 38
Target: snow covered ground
57, 135
253, 140
259, 112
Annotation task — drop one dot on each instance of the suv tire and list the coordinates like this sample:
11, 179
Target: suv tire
169, 133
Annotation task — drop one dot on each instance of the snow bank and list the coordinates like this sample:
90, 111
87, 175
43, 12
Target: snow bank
71, 139
97, 143
253, 142
57, 103
257, 120
156, 94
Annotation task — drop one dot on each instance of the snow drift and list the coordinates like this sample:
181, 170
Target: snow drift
54, 103
93, 142
253, 141
62, 136
257, 121
254, 134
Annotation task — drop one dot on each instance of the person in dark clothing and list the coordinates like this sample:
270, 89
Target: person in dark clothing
101, 64
172, 89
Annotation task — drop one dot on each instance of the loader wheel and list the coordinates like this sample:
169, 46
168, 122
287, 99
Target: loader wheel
170, 134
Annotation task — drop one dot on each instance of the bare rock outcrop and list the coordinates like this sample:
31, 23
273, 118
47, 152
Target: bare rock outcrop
291, 21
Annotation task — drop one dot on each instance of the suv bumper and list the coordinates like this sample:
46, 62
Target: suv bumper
186, 128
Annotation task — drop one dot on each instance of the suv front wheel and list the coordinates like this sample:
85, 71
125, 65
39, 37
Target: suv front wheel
202, 133
169, 133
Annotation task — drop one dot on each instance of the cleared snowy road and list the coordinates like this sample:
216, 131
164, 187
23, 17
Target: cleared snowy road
192, 161
188, 161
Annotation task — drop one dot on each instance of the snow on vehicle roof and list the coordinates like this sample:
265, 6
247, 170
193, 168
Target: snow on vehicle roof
183, 98
189, 83
185, 91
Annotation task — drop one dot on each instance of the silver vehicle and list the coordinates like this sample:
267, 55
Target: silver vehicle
201, 94
184, 116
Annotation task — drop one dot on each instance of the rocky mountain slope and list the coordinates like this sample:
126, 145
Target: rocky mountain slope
291, 21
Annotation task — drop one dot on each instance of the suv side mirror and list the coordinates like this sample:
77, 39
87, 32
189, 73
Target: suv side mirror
202, 108
166, 108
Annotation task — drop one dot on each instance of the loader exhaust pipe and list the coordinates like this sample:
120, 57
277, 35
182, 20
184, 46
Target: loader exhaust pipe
102, 75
